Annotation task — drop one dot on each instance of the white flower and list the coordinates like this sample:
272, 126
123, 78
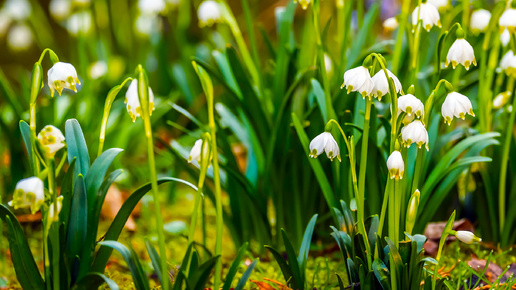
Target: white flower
196, 152
467, 237
479, 20
20, 37
508, 20
505, 37
324, 142
29, 193
98, 69
396, 165
508, 63
415, 132
440, 4
151, 7
60, 9
456, 105
461, 52
61, 76
390, 24
328, 64
146, 24
358, 80
79, 23
18, 9
209, 13
429, 16
381, 85
411, 105
133, 102
55, 217
52, 139
304, 3
501, 99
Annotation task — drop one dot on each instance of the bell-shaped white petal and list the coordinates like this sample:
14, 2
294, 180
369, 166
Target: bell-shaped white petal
414, 132
411, 105
429, 16
390, 24
358, 80
508, 63
60, 9
467, 237
324, 142
61, 76
79, 23
20, 37
508, 20
29, 193
51, 139
18, 9
133, 102
209, 13
501, 99
479, 20
505, 37
304, 3
456, 105
152, 7
381, 85
461, 52
440, 4
51, 215
396, 165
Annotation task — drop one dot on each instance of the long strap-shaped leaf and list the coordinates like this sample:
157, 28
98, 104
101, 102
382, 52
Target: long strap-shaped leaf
77, 146
24, 265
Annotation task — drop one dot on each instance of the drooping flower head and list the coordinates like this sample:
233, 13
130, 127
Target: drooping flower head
461, 52
429, 16
508, 63
209, 13
20, 37
411, 105
51, 139
381, 85
456, 105
197, 152
390, 24
415, 132
29, 193
133, 102
396, 165
479, 20
508, 20
358, 80
61, 76
505, 37
501, 99
324, 142
440, 4
152, 7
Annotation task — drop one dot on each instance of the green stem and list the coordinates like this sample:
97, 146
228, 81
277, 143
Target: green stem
48, 281
505, 159
420, 159
415, 52
465, 16
383, 213
54, 230
396, 57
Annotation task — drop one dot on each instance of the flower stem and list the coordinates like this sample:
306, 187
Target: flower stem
54, 239
399, 38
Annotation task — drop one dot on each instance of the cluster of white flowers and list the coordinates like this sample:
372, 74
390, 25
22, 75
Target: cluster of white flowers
508, 63
428, 15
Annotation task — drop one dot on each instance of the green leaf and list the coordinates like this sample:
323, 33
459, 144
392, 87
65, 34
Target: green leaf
297, 281
155, 259
25, 267
363, 35
245, 276
234, 266
77, 147
140, 279
200, 276
92, 279
398, 262
305, 245
96, 174
25, 132
67, 193
285, 269
321, 100
77, 227
382, 274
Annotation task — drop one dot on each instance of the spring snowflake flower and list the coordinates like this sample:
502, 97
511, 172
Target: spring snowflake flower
55, 217
414, 132
79, 23
390, 24
411, 105
479, 20
51, 139
196, 152
133, 102
60, 9
396, 165
61, 76
18, 9
501, 99
429, 16
358, 80
461, 52
381, 85
152, 7
505, 37
467, 237
209, 13
20, 37
456, 105
508, 20
440, 4
324, 142
508, 63
29, 193
304, 3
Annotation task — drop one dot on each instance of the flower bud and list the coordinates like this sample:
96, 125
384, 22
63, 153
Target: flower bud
51, 140
29, 193
467, 237
133, 102
55, 217
412, 209
396, 165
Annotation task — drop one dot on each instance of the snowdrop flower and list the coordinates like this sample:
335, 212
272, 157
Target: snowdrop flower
508, 20
358, 80
55, 217
79, 23
461, 52
467, 237
396, 165
60, 9
381, 85
20, 37
456, 105
328, 64
152, 7
61, 76
429, 16
52, 139
505, 37
304, 3
440, 4
324, 142
29, 193
133, 102
508, 63
415, 132
390, 24
18, 9
411, 105
480, 20
501, 99
209, 13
